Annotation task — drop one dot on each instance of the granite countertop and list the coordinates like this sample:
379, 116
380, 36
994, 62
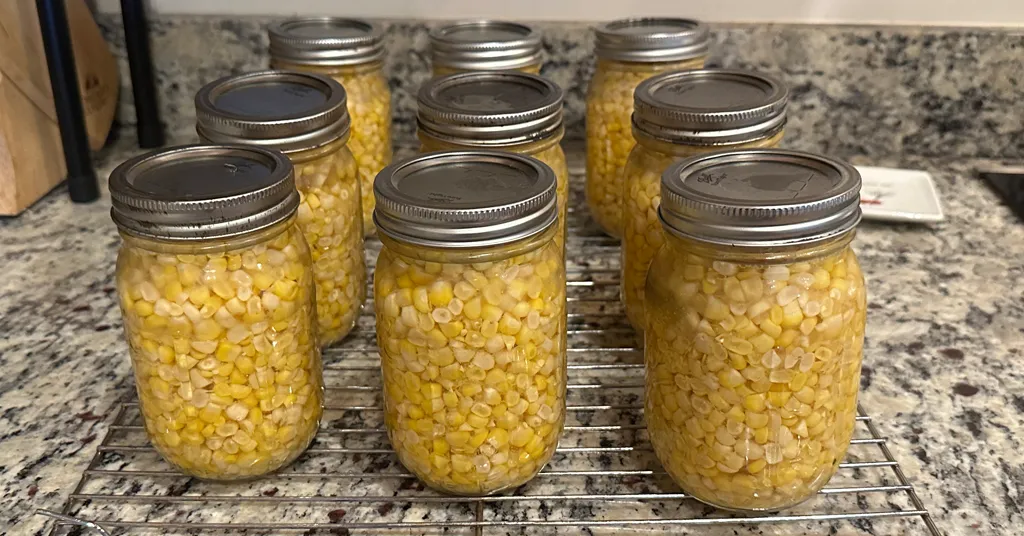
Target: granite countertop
945, 334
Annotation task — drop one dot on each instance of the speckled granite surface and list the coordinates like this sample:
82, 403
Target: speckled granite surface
857, 90
946, 322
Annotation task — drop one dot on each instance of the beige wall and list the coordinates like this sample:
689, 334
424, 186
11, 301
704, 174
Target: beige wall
928, 12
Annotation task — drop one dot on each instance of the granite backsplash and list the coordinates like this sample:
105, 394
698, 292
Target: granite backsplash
933, 91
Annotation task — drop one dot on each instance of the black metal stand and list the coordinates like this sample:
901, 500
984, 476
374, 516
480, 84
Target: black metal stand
136, 39
60, 59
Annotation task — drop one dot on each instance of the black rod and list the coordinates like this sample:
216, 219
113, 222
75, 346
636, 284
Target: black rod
60, 60
136, 40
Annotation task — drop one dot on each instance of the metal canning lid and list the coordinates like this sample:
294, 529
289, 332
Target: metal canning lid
490, 108
465, 199
486, 45
760, 198
329, 41
652, 39
198, 192
710, 106
283, 110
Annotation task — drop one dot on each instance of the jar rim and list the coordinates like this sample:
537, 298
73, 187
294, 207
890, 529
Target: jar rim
760, 198
327, 41
490, 108
199, 192
652, 39
491, 45
285, 110
710, 106
465, 199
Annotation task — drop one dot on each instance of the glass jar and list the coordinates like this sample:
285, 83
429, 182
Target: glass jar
628, 52
471, 321
514, 112
755, 326
680, 114
485, 45
303, 115
216, 289
352, 52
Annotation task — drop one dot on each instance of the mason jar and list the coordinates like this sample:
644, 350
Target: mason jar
756, 309
303, 115
507, 111
485, 45
352, 52
680, 114
628, 52
471, 322
216, 289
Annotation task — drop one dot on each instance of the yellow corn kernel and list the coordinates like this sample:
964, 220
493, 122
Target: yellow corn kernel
521, 436
762, 342
730, 378
779, 399
793, 316
716, 309
771, 329
756, 466
755, 402
787, 338
440, 294
478, 438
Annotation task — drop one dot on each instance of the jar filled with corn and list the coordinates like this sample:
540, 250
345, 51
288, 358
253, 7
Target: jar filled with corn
485, 45
303, 115
216, 289
352, 52
508, 111
471, 323
628, 52
755, 326
680, 114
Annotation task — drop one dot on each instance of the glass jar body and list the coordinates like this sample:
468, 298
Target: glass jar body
473, 355
753, 367
445, 70
330, 216
609, 134
222, 338
369, 106
548, 151
642, 231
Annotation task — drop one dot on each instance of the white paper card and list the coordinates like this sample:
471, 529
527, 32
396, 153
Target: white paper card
898, 195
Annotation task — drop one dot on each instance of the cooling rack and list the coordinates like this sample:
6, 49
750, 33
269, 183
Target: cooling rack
604, 478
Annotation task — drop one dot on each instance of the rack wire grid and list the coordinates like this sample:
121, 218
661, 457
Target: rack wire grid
603, 479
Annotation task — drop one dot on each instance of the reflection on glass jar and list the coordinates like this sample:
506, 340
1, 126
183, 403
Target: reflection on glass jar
682, 114
755, 326
461, 111
629, 51
471, 319
218, 308
487, 45
305, 116
351, 51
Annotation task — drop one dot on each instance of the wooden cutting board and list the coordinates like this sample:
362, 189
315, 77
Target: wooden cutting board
31, 156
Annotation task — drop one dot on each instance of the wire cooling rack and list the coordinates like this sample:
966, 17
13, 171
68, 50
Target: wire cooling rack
604, 478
